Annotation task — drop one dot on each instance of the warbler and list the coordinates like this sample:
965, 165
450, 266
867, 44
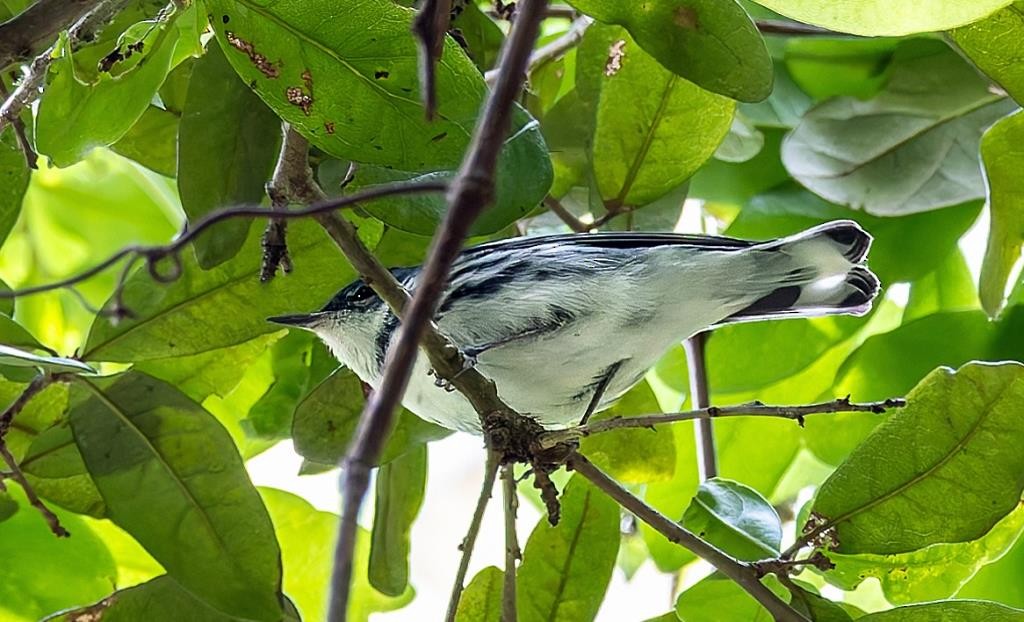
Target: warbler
566, 324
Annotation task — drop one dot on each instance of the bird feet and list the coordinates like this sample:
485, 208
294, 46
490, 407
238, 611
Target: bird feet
469, 361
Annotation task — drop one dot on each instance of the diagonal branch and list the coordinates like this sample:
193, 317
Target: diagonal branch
745, 575
707, 454
471, 191
33, 30
755, 409
469, 542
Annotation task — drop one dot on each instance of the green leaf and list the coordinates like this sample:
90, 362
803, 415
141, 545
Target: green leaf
934, 572
1002, 151
14, 334
152, 141
736, 519
992, 45
879, 17
302, 531
633, 455
711, 43
949, 288
671, 498
825, 67
523, 178
783, 108
55, 470
911, 148
809, 603
75, 117
208, 309
965, 434
6, 304
400, 487
290, 360
19, 358
326, 419
950, 611
483, 38
905, 248
566, 569
716, 598
999, 580
14, 177
673, 126
165, 467
481, 600
351, 89
742, 143
8, 506
227, 146
736, 182
42, 574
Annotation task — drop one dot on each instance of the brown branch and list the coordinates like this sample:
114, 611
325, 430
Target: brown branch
743, 574
31, 157
554, 49
567, 217
707, 454
34, 29
471, 191
429, 27
755, 409
512, 552
783, 567
38, 383
469, 542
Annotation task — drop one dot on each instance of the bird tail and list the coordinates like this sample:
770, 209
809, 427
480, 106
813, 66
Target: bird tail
816, 272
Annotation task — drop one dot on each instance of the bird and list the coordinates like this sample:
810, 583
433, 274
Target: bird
565, 324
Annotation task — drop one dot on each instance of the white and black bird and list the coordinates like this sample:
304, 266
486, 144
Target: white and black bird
560, 321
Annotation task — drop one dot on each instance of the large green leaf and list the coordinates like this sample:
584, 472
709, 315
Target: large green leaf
879, 17
14, 177
736, 183
912, 148
716, 598
481, 600
290, 362
1002, 151
934, 572
523, 178
827, 67
711, 43
905, 248
953, 611
303, 531
400, 487
42, 574
152, 141
227, 145
999, 580
949, 287
171, 476
326, 419
958, 438
993, 44
75, 117
208, 309
672, 128
54, 468
633, 455
736, 519
566, 568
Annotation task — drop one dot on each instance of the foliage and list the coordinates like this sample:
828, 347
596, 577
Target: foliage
164, 378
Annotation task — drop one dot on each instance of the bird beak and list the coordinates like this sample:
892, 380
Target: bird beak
302, 320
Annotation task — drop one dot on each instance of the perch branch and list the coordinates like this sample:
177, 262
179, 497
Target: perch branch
469, 542
471, 191
553, 50
429, 27
707, 454
567, 217
743, 574
512, 552
756, 409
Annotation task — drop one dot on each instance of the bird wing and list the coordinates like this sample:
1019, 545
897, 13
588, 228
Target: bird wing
615, 240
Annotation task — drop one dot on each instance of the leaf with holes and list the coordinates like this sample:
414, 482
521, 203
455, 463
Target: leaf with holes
958, 438
912, 148
566, 568
654, 129
712, 43
170, 476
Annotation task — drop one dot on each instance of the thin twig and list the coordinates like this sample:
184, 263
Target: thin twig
33, 30
471, 191
783, 567
743, 574
38, 383
707, 455
567, 217
155, 253
31, 157
553, 50
755, 409
469, 542
429, 27
512, 552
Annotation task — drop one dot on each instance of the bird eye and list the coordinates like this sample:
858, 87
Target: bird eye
361, 294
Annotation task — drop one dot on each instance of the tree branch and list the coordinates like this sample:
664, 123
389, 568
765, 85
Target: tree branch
707, 454
429, 27
756, 409
743, 574
553, 50
567, 217
34, 29
469, 542
471, 191
512, 552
